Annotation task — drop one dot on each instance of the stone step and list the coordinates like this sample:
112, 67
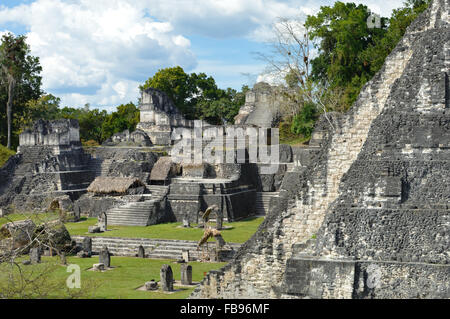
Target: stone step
262, 203
131, 214
154, 248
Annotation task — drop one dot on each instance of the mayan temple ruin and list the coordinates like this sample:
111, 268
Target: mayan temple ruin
361, 211
369, 216
132, 177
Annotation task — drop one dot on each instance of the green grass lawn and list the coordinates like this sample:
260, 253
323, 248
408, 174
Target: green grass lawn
37, 218
238, 232
128, 273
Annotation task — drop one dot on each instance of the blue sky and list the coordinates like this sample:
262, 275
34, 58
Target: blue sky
98, 52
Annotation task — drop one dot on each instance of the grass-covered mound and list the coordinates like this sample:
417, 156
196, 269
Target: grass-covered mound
236, 232
5, 153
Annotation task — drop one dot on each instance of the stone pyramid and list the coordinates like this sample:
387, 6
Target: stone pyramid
370, 217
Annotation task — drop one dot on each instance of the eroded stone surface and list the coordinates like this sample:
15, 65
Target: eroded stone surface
367, 217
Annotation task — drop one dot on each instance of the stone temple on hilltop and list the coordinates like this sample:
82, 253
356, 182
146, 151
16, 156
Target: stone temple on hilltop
369, 216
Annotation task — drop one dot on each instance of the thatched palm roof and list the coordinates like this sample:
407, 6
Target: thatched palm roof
113, 185
161, 171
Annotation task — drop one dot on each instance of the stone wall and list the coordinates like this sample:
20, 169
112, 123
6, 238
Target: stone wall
50, 163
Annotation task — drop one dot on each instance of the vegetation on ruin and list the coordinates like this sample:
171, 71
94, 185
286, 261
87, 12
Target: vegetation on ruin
349, 53
236, 232
5, 153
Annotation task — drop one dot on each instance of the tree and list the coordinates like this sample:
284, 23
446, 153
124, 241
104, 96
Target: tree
125, 118
39, 280
401, 18
45, 107
291, 61
176, 84
19, 74
344, 35
197, 96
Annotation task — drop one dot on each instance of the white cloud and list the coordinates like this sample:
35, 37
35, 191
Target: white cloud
243, 18
98, 51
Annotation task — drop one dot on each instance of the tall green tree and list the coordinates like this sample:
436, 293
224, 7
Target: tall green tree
45, 107
401, 18
197, 96
344, 35
19, 76
350, 50
125, 118
176, 84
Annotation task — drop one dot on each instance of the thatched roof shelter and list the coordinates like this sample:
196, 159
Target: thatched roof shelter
113, 185
163, 169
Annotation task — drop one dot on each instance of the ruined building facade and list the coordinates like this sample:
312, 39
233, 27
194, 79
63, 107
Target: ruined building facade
52, 165
369, 217
49, 163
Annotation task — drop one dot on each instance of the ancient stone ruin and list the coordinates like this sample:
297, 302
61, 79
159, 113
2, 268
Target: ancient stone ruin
166, 276
132, 179
35, 255
262, 106
361, 212
186, 274
104, 257
49, 163
368, 217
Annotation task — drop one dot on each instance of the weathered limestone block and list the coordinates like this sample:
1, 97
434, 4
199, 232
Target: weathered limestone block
87, 245
98, 267
104, 257
141, 252
186, 274
35, 255
166, 275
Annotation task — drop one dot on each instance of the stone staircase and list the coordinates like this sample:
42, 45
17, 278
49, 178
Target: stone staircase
100, 166
154, 248
263, 201
131, 214
157, 191
33, 155
137, 213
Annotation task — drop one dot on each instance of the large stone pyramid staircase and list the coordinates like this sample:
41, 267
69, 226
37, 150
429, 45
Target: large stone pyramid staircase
100, 166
